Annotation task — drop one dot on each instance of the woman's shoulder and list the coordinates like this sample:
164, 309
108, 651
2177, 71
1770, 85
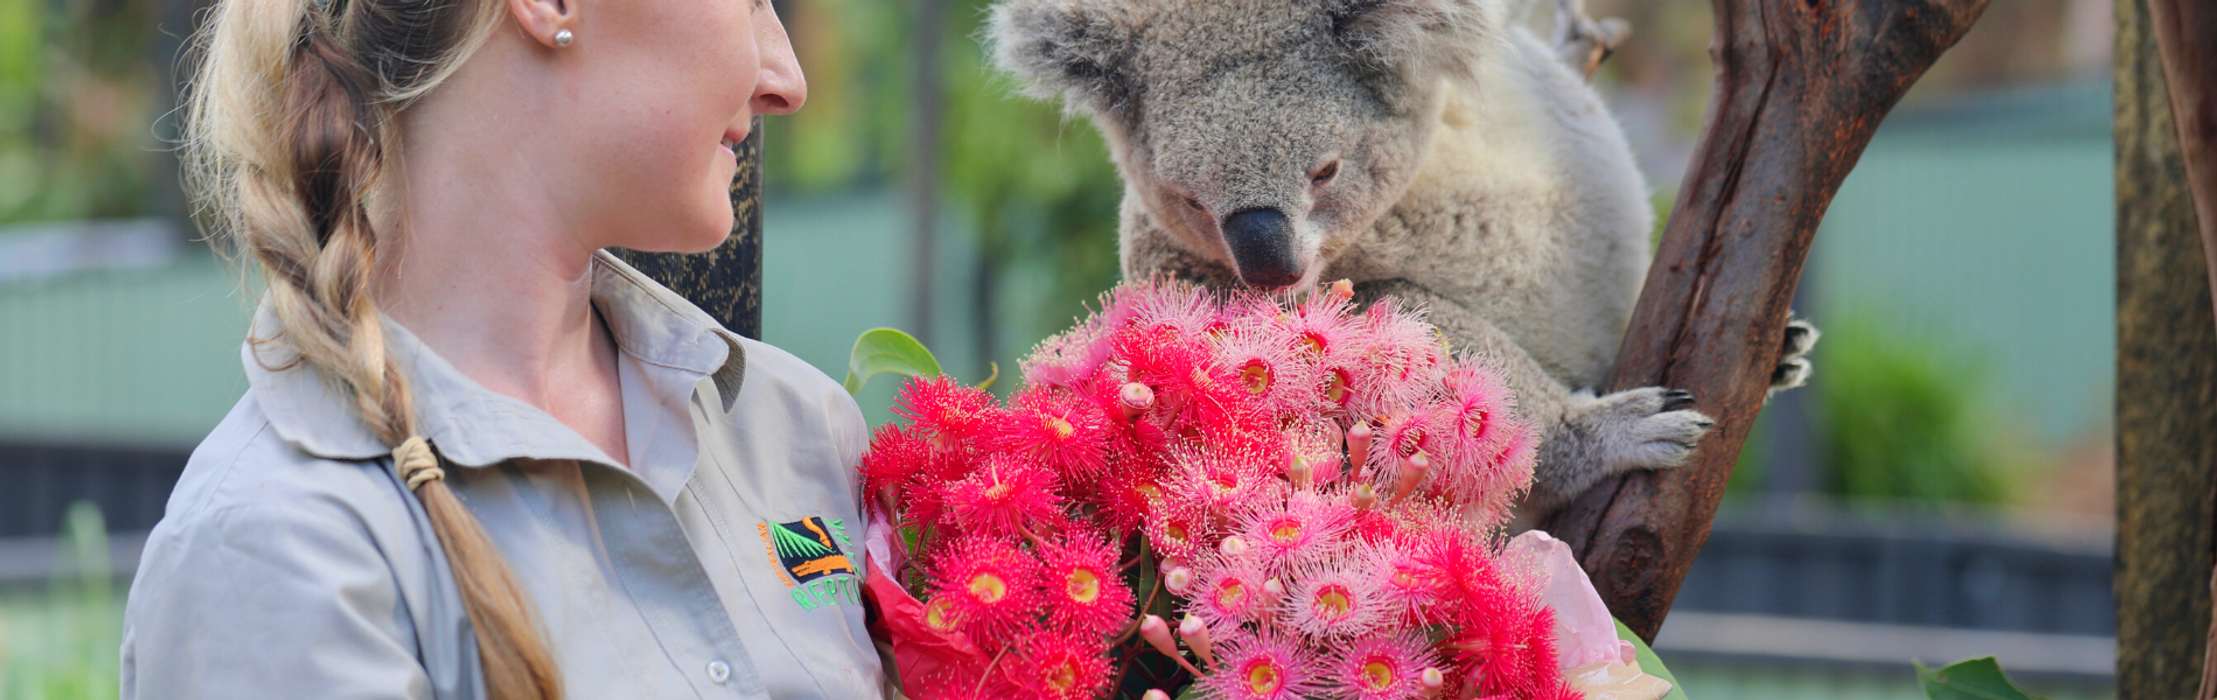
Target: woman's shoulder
267, 564
789, 416
246, 472
772, 369
774, 377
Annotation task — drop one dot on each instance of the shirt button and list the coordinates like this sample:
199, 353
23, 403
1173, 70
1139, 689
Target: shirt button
719, 671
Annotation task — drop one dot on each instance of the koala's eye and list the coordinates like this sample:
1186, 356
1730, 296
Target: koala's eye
1323, 175
1194, 204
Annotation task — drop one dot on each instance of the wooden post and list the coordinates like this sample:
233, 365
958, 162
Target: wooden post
725, 282
2166, 136
1800, 88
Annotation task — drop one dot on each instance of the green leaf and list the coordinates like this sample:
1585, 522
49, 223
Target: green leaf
882, 350
1651, 664
1973, 679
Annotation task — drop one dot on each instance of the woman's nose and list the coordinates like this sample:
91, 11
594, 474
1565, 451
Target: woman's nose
780, 88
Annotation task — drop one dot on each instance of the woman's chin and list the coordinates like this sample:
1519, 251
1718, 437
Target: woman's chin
699, 235
703, 239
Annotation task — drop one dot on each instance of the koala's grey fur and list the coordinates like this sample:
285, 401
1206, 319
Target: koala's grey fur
1476, 174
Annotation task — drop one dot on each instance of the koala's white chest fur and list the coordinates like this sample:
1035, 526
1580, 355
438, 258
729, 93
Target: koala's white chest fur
1527, 210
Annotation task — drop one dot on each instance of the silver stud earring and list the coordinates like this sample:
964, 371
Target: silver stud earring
563, 37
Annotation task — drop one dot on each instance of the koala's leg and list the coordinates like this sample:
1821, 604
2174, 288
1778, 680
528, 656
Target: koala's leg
1585, 437
1793, 362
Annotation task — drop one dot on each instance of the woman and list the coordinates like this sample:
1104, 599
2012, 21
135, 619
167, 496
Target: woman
478, 457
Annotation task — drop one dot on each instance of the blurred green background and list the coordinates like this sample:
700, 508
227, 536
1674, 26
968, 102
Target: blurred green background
1963, 278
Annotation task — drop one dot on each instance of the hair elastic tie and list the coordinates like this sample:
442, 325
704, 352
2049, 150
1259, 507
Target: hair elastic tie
416, 463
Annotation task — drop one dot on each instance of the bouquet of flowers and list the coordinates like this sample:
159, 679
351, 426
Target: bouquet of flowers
1309, 498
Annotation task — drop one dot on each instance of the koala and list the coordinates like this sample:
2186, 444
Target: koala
1430, 150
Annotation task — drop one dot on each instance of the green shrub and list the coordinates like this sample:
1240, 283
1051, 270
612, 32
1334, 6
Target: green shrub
1906, 417
62, 644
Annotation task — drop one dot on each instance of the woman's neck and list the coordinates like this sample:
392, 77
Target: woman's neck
489, 276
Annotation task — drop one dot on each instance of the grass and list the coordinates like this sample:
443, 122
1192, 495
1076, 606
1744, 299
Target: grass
61, 643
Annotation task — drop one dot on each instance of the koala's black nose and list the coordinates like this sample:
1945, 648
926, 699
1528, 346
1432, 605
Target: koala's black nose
1261, 240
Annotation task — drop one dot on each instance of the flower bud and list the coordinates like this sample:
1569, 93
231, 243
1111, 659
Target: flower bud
1155, 694
1157, 634
1135, 398
1232, 546
1432, 679
1298, 472
1196, 636
1358, 447
1363, 497
1412, 472
1341, 289
1180, 580
1273, 591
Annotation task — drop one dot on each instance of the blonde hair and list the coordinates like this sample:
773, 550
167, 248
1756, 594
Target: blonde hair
290, 132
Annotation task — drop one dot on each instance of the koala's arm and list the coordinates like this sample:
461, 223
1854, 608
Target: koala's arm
1584, 438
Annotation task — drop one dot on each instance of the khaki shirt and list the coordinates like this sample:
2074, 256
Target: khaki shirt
291, 563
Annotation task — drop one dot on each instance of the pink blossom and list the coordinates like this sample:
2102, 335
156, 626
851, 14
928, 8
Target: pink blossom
1386, 667
1335, 601
1306, 529
1058, 429
1228, 592
1004, 496
989, 587
1263, 666
955, 416
1057, 667
1084, 585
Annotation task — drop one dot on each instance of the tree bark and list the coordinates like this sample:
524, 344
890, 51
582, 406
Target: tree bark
725, 282
2166, 387
2184, 35
1800, 87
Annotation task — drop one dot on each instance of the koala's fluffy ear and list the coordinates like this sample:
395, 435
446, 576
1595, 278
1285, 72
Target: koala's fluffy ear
1079, 50
1420, 37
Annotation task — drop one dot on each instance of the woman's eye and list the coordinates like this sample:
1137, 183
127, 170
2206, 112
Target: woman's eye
1323, 176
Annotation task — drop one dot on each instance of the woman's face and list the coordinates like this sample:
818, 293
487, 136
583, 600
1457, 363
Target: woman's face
662, 92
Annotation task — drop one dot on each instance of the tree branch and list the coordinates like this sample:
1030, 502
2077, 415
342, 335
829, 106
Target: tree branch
1800, 87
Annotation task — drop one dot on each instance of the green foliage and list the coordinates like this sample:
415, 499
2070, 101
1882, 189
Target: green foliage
76, 628
77, 98
1974, 679
882, 350
1905, 417
1037, 189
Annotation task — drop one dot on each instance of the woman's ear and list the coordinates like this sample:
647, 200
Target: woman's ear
551, 22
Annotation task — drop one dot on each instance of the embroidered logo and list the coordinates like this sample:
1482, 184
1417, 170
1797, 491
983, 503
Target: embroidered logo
811, 562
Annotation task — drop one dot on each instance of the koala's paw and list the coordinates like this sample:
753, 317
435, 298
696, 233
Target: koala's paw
1584, 42
1646, 428
1793, 362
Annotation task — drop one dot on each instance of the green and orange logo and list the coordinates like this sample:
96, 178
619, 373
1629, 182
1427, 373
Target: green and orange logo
813, 562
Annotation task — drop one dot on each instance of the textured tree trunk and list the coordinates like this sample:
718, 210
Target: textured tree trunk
1800, 87
725, 282
2166, 128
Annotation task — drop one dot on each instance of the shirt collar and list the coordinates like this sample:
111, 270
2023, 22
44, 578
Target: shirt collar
471, 425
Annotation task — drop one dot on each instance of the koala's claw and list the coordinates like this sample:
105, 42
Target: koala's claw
1584, 42
1646, 428
1793, 367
